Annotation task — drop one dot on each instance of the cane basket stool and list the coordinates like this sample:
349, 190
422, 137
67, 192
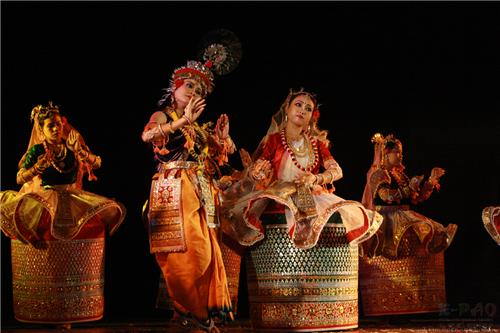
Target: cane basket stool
414, 283
62, 283
297, 290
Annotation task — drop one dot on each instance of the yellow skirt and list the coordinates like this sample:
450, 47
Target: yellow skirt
196, 278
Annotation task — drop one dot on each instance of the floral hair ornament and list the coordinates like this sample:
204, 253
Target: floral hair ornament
219, 54
42, 110
382, 146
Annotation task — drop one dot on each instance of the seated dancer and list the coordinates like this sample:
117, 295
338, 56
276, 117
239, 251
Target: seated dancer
491, 221
402, 267
302, 273
57, 228
286, 175
182, 217
391, 192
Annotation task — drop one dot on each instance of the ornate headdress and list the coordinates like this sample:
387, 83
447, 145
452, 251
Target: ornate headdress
220, 51
39, 113
382, 145
40, 110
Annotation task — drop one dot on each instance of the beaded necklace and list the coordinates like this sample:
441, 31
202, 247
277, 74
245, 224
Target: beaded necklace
57, 160
290, 151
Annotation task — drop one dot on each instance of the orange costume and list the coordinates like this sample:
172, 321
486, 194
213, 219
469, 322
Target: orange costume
182, 219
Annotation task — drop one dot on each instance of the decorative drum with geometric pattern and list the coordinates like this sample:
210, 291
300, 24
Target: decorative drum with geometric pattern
63, 283
231, 256
296, 290
412, 284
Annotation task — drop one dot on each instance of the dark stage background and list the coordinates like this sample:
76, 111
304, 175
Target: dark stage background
426, 71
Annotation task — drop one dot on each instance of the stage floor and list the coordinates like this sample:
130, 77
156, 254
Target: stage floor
365, 326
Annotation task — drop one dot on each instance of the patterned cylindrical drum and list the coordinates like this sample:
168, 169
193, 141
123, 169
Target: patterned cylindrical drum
412, 284
291, 289
63, 283
231, 256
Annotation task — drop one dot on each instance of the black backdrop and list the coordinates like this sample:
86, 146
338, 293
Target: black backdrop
426, 71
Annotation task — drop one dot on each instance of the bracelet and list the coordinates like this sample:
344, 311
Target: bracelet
170, 127
161, 130
97, 162
327, 177
37, 170
21, 174
187, 119
318, 181
83, 154
433, 181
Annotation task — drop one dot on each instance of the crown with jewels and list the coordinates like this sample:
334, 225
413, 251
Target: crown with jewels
220, 53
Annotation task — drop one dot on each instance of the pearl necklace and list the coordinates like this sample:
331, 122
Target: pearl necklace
290, 151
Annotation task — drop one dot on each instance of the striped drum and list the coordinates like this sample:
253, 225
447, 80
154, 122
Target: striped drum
63, 283
291, 289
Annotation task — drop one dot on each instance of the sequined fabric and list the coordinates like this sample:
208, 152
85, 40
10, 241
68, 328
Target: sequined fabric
60, 284
411, 284
231, 256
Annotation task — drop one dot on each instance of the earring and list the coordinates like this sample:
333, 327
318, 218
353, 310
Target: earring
286, 118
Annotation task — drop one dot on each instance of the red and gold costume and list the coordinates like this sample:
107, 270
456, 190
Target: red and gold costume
403, 266
303, 263
57, 232
491, 221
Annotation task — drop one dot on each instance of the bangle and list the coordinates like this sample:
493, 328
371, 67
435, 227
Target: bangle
36, 170
97, 162
170, 128
21, 174
161, 130
432, 181
83, 154
187, 119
